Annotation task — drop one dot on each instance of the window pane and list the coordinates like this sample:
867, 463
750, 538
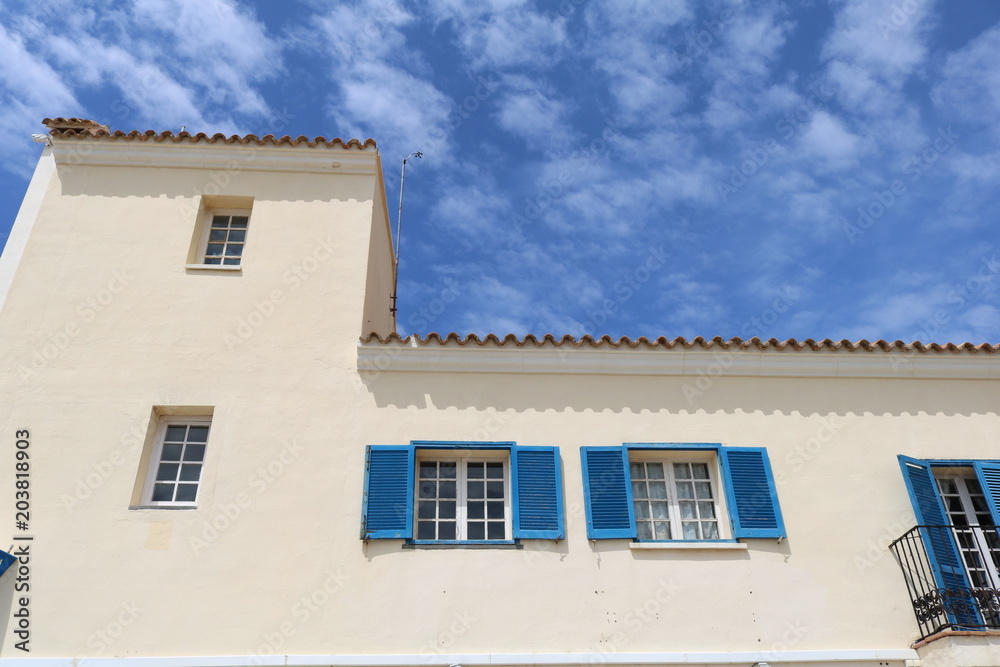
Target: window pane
706, 510
428, 470
711, 530
217, 235
641, 510
636, 470
691, 530
198, 434
682, 471
687, 510
428, 489
475, 471
658, 490
426, 510
232, 262
644, 530
659, 510
186, 492
213, 260
639, 490
234, 250
190, 472
163, 492
447, 490
447, 470
446, 530
425, 530
496, 531
171, 453
494, 489
703, 490
214, 249
494, 470
194, 453
477, 510
167, 472
699, 470
237, 235
446, 510
494, 510
220, 220
175, 434
476, 490
239, 221
662, 530
477, 530
685, 490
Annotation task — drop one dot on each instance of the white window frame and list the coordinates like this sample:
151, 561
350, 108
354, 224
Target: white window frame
668, 458
960, 476
462, 458
206, 230
157, 452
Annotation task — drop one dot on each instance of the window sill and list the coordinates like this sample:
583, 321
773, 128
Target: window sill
163, 507
212, 267
701, 544
479, 544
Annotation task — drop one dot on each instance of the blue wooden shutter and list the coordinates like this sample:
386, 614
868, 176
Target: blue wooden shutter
750, 492
942, 550
387, 508
607, 493
537, 483
988, 473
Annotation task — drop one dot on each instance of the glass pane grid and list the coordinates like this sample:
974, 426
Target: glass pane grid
225, 240
437, 495
178, 471
649, 496
461, 500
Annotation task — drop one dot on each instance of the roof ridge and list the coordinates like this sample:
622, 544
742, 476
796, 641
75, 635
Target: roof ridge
807, 345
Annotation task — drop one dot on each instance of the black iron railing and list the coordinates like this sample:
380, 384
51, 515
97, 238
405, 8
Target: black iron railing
953, 576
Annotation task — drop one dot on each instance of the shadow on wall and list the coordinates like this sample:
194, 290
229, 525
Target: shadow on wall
681, 395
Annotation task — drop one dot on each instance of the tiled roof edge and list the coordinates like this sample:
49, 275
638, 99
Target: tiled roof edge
168, 136
808, 345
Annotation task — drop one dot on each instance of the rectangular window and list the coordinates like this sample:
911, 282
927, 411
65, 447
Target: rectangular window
662, 492
462, 492
177, 460
674, 500
462, 499
227, 234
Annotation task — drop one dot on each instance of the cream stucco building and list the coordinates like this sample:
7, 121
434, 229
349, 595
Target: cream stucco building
219, 453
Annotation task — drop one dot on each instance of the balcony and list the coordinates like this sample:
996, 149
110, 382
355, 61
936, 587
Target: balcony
953, 576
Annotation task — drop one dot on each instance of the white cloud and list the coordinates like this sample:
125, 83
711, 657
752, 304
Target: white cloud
968, 86
827, 138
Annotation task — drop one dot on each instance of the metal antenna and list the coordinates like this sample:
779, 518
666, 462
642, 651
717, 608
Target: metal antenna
399, 223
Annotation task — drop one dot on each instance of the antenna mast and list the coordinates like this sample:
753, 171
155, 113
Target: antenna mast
399, 224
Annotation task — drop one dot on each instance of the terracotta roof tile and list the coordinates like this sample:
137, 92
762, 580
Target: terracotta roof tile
76, 128
808, 345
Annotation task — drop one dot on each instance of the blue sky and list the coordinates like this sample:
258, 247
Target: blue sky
642, 167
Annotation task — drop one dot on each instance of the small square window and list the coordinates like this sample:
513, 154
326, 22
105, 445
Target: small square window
226, 236
177, 460
675, 496
462, 497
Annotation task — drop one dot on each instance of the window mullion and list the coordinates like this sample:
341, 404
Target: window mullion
673, 507
461, 512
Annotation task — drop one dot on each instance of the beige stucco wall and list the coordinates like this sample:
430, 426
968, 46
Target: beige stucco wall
270, 561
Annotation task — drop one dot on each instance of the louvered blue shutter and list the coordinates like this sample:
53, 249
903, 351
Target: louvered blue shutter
750, 492
387, 507
939, 541
607, 493
988, 473
537, 483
